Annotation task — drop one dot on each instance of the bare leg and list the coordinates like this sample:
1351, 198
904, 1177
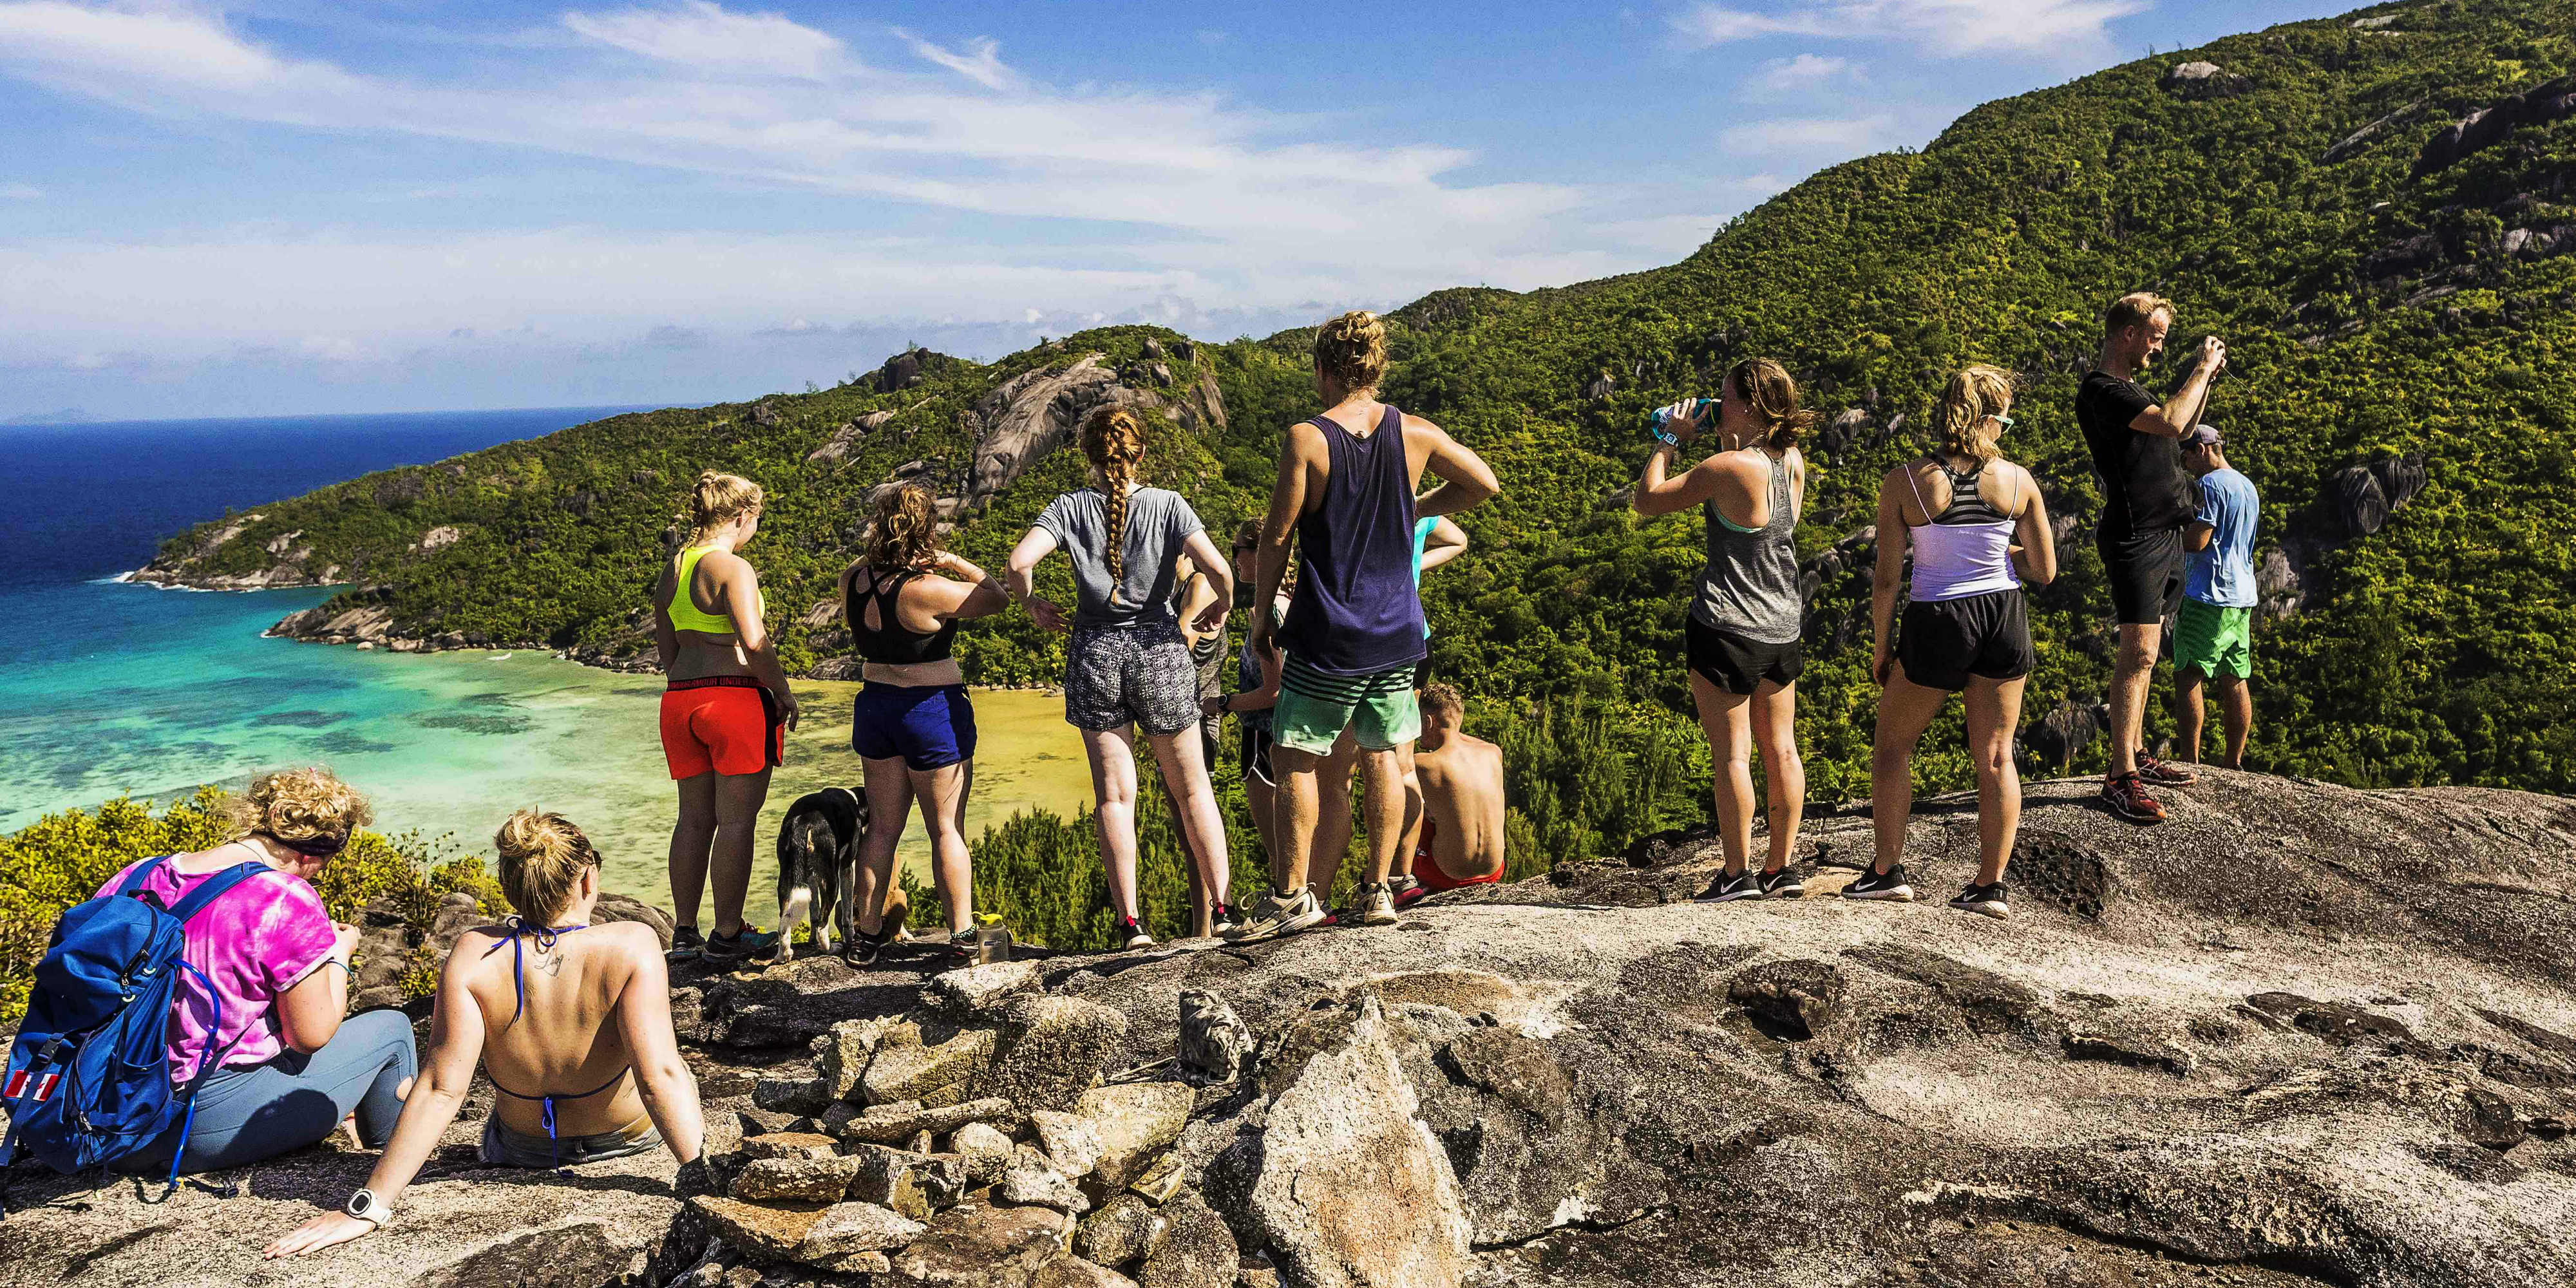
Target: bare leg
1775, 730
1293, 813
1730, 744
2236, 711
1202, 827
2188, 714
690, 838
889, 790
2130, 679
942, 793
1331, 842
1113, 789
1905, 710
738, 801
1263, 800
1994, 712
1411, 841
1383, 772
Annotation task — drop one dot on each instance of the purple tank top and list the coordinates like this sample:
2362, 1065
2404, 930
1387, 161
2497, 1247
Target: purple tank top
1357, 610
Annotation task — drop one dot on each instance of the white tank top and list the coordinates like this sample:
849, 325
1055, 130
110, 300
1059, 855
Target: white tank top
1966, 549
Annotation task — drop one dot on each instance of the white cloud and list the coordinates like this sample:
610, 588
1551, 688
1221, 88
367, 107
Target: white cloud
1949, 27
21, 192
703, 35
1802, 72
981, 63
1846, 137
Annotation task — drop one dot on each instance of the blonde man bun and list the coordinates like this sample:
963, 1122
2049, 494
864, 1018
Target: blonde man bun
307, 810
1351, 350
542, 857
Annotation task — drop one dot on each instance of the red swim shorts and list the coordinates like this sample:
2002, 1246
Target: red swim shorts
722, 724
1426, 869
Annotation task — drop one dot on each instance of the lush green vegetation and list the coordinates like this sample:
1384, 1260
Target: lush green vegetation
2371, 310
64, 858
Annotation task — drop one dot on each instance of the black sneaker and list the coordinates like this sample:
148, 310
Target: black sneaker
2126, 795
863, 949
1782, 885
686, 944
2162, 774
750, 945
1889, 885
1727, 889
1131, 935
1986, 900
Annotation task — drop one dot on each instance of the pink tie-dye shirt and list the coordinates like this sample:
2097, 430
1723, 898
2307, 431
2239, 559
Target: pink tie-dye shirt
262, 938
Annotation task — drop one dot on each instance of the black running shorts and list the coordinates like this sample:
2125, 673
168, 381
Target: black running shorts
2145, 571
1739, 665
1941, 643
1254, 753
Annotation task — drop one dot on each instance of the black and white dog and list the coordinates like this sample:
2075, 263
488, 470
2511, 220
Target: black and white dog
818, 857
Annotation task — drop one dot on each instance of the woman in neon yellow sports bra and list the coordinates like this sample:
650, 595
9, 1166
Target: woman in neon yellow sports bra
725, 715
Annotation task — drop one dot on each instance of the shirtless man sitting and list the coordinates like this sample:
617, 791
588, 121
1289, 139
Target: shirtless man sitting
1462, 798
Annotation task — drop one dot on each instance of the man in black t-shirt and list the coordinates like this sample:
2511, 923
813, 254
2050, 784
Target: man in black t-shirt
2146, 501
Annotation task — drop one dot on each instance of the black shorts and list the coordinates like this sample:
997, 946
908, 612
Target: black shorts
1942, 642
1739, 665
2145, 571
1254, 754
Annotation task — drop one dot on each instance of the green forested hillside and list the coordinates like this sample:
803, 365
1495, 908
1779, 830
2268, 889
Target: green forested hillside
2390, 284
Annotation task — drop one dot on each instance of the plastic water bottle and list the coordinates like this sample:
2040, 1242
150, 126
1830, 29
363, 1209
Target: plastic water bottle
992, 939
1702, 410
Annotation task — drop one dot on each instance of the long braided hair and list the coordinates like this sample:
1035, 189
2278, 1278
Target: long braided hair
1114, 440
714, 501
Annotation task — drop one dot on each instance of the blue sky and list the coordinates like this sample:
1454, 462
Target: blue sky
311, 206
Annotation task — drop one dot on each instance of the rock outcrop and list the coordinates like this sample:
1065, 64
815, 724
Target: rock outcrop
2297, 1035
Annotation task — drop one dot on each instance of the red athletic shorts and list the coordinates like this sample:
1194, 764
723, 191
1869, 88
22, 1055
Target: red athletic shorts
1426, 869
720, 723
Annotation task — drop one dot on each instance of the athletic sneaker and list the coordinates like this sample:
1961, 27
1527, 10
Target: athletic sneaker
2160, 773
863, 949
1377, 905
751, 944
961, 944
1889, 885
1727, 889
686, 944
2126, 796
1408, 891
1131, 934
1986, 899
1275, 916
1225, 919
1782, 885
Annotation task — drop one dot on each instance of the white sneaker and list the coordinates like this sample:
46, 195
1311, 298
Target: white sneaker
1377, 905
1275, 918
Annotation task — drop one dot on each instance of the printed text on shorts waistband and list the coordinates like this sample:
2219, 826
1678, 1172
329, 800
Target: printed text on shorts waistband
716, 682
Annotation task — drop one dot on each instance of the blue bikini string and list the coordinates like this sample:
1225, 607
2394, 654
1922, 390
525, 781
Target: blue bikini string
545, 937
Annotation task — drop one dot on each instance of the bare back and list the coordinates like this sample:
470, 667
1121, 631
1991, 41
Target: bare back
1462, 788
570, 1038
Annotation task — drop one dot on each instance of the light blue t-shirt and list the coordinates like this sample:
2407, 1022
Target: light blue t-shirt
2223, 574
1421, 534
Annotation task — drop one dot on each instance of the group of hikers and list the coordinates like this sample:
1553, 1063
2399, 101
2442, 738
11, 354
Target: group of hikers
571, 1019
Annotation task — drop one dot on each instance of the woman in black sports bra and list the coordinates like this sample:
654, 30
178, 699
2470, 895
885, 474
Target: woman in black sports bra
571, 1018
913, 725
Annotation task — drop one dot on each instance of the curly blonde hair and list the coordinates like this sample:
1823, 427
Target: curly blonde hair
542, 857
716, 500
1351, 350
906, 531
1114, 441
309, 811
1970, 403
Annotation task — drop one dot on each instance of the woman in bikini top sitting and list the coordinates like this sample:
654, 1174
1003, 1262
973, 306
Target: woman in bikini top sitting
571, 1020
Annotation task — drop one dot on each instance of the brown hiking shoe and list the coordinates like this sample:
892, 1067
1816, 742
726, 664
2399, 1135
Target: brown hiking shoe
2127, 797
2162, 774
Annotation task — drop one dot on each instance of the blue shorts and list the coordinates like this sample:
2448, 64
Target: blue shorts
930, 726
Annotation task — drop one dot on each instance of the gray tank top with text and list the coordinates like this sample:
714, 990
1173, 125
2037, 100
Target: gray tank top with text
1750, 586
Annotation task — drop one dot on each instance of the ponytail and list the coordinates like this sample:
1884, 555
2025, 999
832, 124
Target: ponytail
716, 500
1114, 440
1965, 419
1766, 388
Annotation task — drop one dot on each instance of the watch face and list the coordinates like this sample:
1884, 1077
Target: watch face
361, 1203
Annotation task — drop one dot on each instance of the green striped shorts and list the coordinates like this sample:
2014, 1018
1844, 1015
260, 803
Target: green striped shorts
1314, 708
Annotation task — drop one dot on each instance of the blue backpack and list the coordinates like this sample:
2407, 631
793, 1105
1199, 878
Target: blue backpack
89, 1078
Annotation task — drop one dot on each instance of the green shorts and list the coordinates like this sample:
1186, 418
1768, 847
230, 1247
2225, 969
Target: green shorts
1380, 710
2214, 641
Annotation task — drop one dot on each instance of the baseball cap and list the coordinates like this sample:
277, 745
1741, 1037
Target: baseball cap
2201, 436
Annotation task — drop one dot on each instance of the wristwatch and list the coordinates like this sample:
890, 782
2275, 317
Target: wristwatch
365, 1206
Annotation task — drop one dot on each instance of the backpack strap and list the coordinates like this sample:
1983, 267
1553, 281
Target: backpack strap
132, 887
216, 887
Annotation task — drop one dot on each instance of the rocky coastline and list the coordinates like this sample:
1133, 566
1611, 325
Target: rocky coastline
2299, 1035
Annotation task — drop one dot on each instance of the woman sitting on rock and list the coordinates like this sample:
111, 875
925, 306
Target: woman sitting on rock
571, 1021
288, 1067
1970, 518
1127, 665
913, 724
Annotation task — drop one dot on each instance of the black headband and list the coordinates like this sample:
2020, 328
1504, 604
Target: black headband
315, 847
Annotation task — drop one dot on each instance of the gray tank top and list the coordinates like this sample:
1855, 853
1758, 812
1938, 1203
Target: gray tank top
1750, 586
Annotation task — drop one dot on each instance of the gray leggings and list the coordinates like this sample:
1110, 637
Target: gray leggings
248, 1114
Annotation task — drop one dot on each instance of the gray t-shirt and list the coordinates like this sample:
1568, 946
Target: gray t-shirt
1158, 522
